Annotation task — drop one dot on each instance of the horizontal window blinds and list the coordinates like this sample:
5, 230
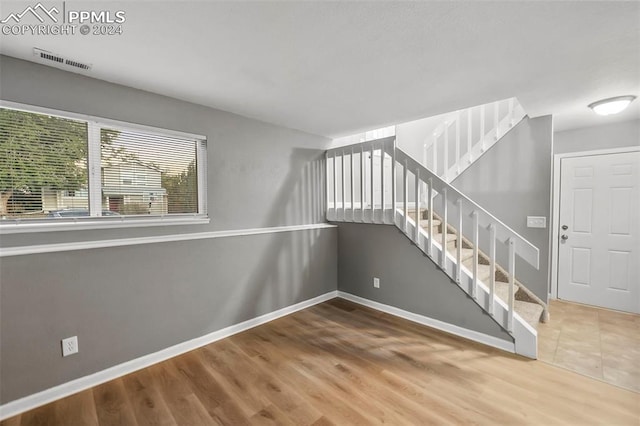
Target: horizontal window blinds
43, 163
57, 167
145, 173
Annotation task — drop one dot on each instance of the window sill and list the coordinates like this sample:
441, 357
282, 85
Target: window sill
79, 225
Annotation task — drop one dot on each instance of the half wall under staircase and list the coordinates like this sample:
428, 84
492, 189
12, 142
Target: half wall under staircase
375, 182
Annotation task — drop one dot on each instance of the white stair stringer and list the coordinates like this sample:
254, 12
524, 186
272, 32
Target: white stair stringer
525, 336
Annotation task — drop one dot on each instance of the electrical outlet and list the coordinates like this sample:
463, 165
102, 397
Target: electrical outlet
376, 282
70, 346
536, 222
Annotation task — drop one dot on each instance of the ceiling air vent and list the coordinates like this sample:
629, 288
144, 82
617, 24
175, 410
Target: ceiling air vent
55, 59
76, 64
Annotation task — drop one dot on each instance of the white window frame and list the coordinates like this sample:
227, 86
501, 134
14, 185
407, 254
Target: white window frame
94, 124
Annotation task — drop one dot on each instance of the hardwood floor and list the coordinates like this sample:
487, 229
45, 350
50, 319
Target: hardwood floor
597, 342
339, 363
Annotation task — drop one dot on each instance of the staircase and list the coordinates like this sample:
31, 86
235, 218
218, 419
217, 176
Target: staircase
376, 182
527, 304
451, 142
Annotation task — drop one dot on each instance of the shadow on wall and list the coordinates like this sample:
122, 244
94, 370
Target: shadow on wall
303, 193
288, 262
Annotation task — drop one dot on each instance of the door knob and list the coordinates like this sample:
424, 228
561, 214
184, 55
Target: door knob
565, 227
564, 237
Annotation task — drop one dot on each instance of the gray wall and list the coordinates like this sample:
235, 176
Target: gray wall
408, 279
615, 135
125, 302
512, 181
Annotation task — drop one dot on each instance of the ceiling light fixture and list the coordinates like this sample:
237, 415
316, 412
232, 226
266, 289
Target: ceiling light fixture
611, 105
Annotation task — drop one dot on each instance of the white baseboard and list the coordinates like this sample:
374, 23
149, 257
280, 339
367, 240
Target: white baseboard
433, 323
30, 402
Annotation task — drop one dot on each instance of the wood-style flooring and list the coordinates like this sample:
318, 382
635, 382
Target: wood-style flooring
600, 343
339, 363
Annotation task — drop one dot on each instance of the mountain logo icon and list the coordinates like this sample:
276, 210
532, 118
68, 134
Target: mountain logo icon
39, 11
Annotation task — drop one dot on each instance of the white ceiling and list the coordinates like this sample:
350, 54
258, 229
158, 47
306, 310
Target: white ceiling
335, 68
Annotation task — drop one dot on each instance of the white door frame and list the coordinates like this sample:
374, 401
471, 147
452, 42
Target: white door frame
555, 215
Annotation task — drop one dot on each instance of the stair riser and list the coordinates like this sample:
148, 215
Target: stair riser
484, 277
454, 253
451, 245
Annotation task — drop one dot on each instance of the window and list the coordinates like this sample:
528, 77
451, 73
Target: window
69, 169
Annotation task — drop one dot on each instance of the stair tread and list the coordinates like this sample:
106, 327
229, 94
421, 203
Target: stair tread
484, 271
450, 237
530, 312
425, 222
502, 290
466, 254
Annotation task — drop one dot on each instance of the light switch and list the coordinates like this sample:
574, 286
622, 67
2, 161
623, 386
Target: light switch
536, 222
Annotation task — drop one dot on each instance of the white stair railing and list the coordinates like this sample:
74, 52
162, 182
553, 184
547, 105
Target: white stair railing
375, 164
462, 136
372, 164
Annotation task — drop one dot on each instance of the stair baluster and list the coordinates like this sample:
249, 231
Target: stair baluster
351, 198
405, 196
430, 230
445, 153
335, 184
326, 186
512, 273
435, 155
425, 156
382, 215
362, 189
343, 188
475, 254
443, 259
373, 208
492, 266
393, 183
459, 245
417, 204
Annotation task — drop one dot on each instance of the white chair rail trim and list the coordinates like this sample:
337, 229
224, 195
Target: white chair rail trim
117, 242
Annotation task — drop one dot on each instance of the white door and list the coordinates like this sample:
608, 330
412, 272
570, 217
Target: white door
598, 256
